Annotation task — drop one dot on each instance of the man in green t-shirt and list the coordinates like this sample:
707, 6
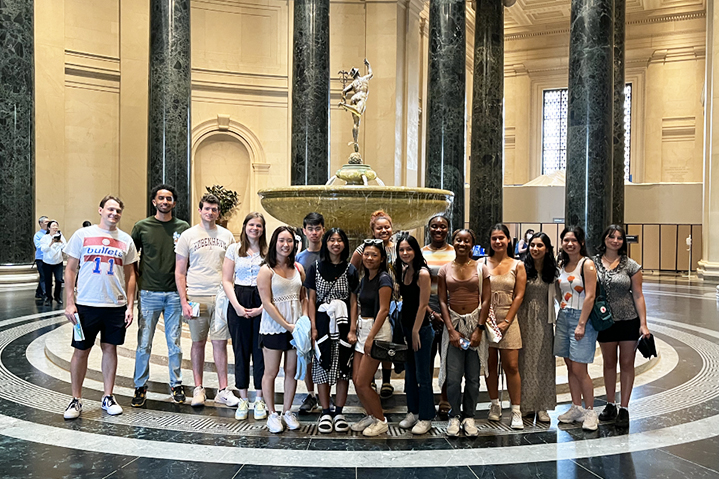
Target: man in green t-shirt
155, 238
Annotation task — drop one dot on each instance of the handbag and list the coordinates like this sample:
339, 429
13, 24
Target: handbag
389, 351
601, 315
494, 334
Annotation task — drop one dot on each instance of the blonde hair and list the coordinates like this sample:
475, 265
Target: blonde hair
377, 215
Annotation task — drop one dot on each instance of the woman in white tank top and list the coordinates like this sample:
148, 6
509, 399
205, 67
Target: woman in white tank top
575, 338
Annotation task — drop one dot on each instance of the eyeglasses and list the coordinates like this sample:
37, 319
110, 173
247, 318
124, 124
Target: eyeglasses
374, 242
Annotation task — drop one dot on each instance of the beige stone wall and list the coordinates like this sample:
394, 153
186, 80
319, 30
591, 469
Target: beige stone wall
91, 96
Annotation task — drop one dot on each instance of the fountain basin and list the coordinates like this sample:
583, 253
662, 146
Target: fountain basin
349, 207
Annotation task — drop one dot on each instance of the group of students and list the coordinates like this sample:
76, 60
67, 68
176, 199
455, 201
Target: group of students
448, 302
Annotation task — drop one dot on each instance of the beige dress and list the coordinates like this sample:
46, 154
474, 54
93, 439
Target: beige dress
502, 297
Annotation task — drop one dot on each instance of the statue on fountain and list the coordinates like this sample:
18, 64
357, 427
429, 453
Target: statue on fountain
358, 89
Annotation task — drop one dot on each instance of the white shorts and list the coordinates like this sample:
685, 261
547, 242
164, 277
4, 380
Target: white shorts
364, 326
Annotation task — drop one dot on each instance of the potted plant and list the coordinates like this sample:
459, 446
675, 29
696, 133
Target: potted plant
228, 202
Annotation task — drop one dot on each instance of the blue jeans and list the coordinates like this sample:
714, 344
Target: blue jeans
151, 304
417, 375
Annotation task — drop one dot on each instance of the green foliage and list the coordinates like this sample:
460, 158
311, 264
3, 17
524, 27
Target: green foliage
228, 199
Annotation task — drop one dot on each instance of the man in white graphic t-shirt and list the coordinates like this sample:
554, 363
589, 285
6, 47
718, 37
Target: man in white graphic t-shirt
105, 297
203, 246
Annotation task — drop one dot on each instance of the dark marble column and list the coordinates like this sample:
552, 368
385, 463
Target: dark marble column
618, 149
485, 177
311, 93
445, 102
17, 132
588, 201
169, 101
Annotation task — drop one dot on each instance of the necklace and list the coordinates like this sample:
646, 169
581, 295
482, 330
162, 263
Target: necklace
461, 264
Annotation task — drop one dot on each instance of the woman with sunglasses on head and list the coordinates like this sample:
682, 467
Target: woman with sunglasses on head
414, 285
509, 280
244, 311
575, 337
284, 301
437, 253
622, 280
464, 296
332, 284
380, 225
537, 366
375, 293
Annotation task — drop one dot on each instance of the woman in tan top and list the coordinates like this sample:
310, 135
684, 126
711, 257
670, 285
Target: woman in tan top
508, 279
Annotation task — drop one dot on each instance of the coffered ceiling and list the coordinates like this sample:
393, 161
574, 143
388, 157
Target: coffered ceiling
535, 15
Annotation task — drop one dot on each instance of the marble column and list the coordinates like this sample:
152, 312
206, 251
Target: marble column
311, 92
169, 102
17, 132
485, 177
709, 263
588, 201
445, 102
618, 148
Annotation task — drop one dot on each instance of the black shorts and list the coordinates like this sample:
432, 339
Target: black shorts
108, 321
620, 331
277, 342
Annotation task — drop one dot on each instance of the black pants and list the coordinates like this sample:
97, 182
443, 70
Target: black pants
245, 334
49, 271
40, 291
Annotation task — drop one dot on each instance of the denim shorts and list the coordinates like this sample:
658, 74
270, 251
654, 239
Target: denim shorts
566, 346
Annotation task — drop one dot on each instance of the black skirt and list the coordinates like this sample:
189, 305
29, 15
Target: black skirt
620, 331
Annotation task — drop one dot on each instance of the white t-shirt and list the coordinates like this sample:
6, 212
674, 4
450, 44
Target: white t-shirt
206, 253
102, 255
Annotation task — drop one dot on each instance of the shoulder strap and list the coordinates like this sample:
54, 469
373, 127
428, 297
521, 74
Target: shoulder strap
481, 280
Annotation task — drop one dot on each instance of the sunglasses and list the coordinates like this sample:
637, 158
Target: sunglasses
374, 242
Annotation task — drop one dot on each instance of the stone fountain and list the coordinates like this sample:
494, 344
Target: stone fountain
349, 205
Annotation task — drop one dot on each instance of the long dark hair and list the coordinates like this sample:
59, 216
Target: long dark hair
383, 256
503, 228
47, 228
324, 250
579, 234
271, 258
549, 268
245, 243
417, 263
602, 247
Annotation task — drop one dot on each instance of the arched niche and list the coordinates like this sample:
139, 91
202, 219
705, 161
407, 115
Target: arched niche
227, 153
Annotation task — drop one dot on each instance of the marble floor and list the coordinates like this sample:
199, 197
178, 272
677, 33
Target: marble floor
674, 430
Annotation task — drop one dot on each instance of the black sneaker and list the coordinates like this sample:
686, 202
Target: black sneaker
308, 405
622, 418
178, 394
140, 397
609, 413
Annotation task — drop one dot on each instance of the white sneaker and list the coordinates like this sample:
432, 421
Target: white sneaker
517, 422
470, 429
291, 420
274, 423
225, 396
409, 421
574, 414
362, 424
198, 397
260, 409
376, 428
110, 405
542, 416
453, 427
495, 412
243, 409
422, 427
591, 421
73, 409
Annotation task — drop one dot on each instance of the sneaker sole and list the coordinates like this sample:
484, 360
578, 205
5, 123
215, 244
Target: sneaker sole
138, 405
589, 428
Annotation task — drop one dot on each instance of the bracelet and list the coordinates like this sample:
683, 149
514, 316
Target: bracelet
507, 321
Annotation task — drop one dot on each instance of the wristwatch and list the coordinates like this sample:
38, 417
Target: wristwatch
481, 327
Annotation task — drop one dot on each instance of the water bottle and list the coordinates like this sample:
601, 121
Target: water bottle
464, 343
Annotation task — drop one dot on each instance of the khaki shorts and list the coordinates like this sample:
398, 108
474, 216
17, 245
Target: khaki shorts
207, 325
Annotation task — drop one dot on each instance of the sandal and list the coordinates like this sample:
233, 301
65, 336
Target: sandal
325, 425
386, 391
341, 423
444, 409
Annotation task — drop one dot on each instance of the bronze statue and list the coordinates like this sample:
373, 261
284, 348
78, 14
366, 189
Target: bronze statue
358, 89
